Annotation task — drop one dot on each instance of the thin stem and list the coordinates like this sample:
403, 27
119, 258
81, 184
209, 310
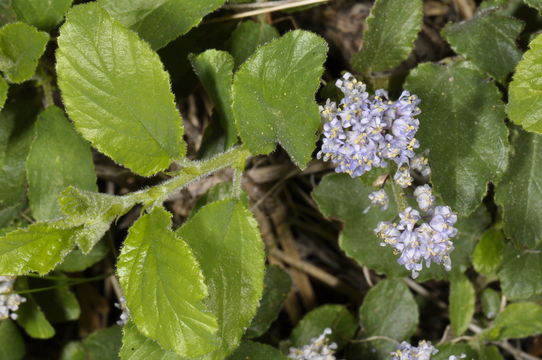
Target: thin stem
258, 5
266, 10
44, 80
69, 282
516, 353
237, 180
374, 338
398, 196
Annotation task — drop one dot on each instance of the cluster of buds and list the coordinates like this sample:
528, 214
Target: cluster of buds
9, 303
318, 349
125, 315
424, 351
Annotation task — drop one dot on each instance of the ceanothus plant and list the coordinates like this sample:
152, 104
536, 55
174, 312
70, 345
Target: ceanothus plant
419, 232
363, 132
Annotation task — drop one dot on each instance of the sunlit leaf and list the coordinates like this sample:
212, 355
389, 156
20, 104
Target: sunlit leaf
164, 287
118, 96
273, 95
226, 242
21, 46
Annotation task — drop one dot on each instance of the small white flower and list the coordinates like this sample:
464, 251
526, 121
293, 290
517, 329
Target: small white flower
402, 177
378, 198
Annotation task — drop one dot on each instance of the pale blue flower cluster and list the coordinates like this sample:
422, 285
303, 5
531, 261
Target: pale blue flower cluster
418, 241
424, 351
365, 131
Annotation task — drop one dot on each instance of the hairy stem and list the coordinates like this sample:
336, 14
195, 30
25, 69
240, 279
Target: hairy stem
191, 171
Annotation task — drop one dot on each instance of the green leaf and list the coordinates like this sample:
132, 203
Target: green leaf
160, 21
175, 55
537, 4
135, 346
336, 317
447, 350
31, 317
44, 15
76, 260
525, 93
118, 96
255, 351
3, 92
491, 302
248, 36
490, 353
489, 252
277, 284
521, 274
93, 211
488, 41
517, 320
388, 309
340, 197
21, 46
462, 123
58, 157
226, 242
489, 5
392, 28
273, 95
469, 231
59, 303
11, 342
39, 247
103, 344
15, 137
462, 300
520, 191
164, 287
7, 15
215, 71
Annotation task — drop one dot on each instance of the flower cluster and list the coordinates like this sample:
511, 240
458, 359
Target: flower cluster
318, 349
363, 132
423, 351
9, 303
416, 240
